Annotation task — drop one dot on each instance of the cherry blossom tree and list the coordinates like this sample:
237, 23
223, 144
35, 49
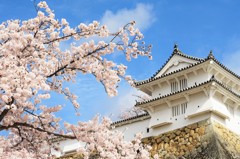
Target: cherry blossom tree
33, 65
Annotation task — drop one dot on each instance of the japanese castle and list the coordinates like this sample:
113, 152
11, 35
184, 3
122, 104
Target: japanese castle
184, 91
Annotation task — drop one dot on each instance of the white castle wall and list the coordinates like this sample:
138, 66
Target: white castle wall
130, 130
192, 79
66, 146
199, 102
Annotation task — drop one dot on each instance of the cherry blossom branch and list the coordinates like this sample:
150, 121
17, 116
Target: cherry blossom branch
20, 134
17, 124
80, 33
71, 62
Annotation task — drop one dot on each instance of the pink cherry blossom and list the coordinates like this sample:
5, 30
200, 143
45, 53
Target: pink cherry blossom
33, 65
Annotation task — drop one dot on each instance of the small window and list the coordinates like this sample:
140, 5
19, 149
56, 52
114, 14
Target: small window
183, 108
179, 109
174, 86
183, 83
175, 110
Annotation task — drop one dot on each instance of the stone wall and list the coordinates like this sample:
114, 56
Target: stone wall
180, 142
203, 140
228, 140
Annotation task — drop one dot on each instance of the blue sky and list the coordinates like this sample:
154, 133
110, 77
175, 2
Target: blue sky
197, 27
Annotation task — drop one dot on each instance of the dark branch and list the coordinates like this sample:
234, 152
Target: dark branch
70, 35
5, 111
17, 124
3, 114
20, 134
74, 60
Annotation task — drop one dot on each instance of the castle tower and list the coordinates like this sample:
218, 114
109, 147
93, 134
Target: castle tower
193, 111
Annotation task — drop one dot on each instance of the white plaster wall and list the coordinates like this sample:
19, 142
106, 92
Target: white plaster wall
162, 113
66, 146
233, 123
165, 89
178, 122
130, 130
177, 67
201, 77
191, 81
218, 104
197, 102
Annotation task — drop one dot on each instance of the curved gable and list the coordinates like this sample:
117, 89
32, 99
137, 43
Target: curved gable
176, 62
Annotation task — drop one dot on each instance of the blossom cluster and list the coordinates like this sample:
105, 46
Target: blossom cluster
102, 141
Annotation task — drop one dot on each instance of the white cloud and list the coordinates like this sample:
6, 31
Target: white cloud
124, 100
142, 14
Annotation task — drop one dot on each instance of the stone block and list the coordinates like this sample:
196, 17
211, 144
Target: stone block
201, 130
192, 133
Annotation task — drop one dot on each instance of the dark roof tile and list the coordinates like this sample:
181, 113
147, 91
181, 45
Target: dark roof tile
131, 118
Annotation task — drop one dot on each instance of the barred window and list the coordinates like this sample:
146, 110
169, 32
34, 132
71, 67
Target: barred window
183, 108
174, 86
179, 109
183, 83
175, 111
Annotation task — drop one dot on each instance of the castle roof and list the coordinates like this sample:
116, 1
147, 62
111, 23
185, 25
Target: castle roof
199, 61
176, 51
131, 119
